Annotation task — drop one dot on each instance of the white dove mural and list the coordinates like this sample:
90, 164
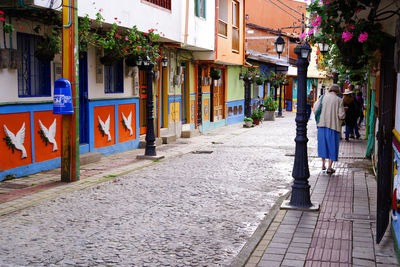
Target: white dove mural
17, 140
128, 122
50, 133
105, 126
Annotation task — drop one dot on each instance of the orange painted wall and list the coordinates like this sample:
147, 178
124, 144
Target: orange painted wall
224, 44
104, 112
14, 122
43, 152
265, 13
126, 109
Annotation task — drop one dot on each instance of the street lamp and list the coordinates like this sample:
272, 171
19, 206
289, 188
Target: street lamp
300, 197
323, 47
279, 45
248, 79
164, 62
150, 149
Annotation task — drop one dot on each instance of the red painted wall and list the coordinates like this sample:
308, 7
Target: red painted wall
126, 109
103, 113
14, 122
45, 152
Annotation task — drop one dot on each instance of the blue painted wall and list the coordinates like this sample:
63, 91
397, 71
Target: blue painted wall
231, 117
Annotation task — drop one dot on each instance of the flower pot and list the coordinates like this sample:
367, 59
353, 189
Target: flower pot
110, 58
131, 61
269, 115
215, 76
44, 55
248, 123
256, 121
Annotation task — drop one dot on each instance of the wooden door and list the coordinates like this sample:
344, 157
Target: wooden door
143, 99
218, 98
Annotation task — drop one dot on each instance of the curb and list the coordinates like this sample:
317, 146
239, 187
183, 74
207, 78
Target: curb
256, 237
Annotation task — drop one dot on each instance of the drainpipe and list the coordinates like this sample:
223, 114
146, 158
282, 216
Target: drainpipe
244, 33
216, 28
186, 22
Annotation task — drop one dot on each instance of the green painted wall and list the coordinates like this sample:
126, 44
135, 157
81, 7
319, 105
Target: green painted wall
235, 86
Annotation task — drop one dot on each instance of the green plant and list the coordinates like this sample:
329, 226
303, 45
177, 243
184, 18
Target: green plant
215, 73
260, 80
248, 119
270, 104
257, 114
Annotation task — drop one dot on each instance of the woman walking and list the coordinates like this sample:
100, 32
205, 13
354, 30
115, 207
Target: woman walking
329, 126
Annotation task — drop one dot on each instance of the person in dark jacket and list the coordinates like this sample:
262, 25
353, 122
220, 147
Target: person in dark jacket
352, 113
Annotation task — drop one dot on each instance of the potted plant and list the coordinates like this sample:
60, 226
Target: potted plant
257, 116
270, 106
49, 46
215, 73
248, 122
259, 80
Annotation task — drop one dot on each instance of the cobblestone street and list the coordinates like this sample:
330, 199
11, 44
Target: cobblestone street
196, 209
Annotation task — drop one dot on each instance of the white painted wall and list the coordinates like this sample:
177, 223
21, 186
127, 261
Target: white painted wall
9, 77
96, 90
134, 12
201, 32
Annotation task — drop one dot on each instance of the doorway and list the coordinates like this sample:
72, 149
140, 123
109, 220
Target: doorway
83, 99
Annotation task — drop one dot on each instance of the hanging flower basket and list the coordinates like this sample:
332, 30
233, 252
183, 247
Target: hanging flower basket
44, 55
215, 73
131, 60
110, 58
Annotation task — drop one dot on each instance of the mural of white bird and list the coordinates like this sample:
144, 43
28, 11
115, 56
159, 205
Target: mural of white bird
50, 133
17, 140
128, 122
106, 127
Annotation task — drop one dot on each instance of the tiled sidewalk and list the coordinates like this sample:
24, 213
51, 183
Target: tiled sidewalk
342, 233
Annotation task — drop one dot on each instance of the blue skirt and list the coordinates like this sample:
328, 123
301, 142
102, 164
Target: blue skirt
328, 143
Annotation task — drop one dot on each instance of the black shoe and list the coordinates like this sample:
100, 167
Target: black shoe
358, 137
347, 139
352, 136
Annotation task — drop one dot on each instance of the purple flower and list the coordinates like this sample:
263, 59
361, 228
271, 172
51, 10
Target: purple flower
316, 21
363, 37
346, 35
302, 35
311, 31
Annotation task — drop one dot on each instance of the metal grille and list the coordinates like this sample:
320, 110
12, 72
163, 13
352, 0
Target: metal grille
33, 75
162, 3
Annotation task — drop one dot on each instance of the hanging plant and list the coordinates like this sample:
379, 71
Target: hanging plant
215, 73
49, 45
260, 80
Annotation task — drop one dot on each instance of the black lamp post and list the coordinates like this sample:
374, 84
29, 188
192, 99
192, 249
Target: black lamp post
247, 79
280, 101
150, 149
300, 197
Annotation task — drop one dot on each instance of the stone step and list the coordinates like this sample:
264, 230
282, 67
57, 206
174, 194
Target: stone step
90, 157
168, 139
190, 133
142, 142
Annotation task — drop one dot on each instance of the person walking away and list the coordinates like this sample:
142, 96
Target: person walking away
310, 101
360, 100
352, 114
329, 126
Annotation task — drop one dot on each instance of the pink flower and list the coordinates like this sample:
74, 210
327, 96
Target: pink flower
126, 39
115, 18
21, 28
3, 19
1, 12
316, 21
346, 35
311, 31
363, 37
327, 2
100, 10
302, 35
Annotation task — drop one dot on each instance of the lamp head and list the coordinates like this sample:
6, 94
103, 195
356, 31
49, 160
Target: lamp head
279, 45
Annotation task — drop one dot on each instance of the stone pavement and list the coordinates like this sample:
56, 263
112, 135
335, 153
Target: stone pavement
342, 233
